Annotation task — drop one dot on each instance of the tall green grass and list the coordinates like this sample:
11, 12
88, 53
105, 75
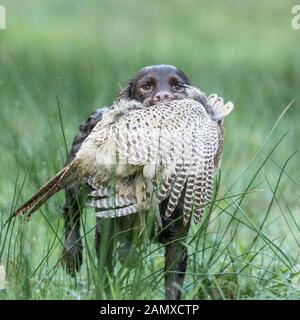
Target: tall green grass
247, 245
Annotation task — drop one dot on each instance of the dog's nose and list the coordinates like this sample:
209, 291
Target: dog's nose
162, 95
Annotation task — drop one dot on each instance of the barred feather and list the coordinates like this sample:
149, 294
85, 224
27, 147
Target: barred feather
166, 186
176, 191
189, 197
200, 195
111, 202
101, 192
116, 213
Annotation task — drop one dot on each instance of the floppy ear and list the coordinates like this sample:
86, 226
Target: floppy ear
128, 92
196, 94
184, 77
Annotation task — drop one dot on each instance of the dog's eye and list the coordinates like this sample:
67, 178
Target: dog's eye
146, 87
178, 87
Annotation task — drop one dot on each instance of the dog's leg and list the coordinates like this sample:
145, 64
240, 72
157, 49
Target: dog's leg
175, 269
104, 245
173, 237
72, 251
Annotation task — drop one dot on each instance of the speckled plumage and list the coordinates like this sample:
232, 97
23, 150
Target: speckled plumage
172, 145
169, 148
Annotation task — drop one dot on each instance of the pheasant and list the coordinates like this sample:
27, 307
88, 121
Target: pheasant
169, 148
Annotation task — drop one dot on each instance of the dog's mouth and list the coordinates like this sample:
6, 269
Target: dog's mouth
150, 102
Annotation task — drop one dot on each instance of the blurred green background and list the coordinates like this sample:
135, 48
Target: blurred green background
84, 52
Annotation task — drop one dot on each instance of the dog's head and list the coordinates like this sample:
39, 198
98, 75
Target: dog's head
154, 84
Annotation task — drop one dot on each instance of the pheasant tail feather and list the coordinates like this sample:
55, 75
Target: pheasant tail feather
63, 178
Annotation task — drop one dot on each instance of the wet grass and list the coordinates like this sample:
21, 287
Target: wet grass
247, 245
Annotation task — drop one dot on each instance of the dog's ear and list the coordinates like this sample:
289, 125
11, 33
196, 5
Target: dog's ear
196, 94
127, 92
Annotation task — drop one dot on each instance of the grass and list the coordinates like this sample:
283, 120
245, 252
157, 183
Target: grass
247, 246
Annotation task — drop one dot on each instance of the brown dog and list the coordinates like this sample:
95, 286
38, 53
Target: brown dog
151, 85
